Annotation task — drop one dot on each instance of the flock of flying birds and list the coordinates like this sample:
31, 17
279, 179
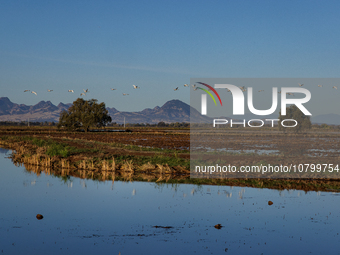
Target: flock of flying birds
185, 85
81, 94
245, 89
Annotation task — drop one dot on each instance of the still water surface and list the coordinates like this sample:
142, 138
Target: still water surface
91, 217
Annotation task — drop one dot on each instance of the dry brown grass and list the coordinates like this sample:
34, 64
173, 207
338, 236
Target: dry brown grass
128, 166
147, 167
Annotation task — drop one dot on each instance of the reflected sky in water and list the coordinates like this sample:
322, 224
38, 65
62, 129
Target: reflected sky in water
87, 217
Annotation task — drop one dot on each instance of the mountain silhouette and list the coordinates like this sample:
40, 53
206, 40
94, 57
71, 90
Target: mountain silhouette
172, 111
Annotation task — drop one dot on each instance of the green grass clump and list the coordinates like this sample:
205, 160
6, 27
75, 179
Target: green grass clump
41, 143
58, 150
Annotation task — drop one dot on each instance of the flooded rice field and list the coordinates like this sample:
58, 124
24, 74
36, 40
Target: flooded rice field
261, 144
80, 216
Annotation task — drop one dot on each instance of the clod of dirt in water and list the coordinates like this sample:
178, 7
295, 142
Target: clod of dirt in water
39, 217
270, 203
218, 226
162, 226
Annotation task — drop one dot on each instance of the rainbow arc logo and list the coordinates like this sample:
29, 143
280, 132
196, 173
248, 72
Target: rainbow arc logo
204, 97
209, 93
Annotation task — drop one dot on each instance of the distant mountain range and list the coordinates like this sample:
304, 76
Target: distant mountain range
171, 111
42, 111
331, 119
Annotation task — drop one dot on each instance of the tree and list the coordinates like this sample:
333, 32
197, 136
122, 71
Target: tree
84, 114
293, 112
161, 124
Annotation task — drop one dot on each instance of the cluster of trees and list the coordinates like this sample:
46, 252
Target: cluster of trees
175, 124
84, 114
293, 112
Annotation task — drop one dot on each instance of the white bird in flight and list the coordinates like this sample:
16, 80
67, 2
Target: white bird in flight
26, 90
300, 84
194, 86
176, 89
135, 87
124, 94
335, 87
113, 89
186, 85
35, 93
71, 90
83, 94
261, 90
320, 86
50, 90
87, 90
290, 94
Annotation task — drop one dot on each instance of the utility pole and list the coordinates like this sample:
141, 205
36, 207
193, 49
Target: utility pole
124, 122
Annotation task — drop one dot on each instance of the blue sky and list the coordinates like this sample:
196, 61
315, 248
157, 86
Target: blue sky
160, 45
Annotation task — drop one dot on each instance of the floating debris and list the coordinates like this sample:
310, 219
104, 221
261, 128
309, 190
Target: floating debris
162, 226
218, 226
39, 217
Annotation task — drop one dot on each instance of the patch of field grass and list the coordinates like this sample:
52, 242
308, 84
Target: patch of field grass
53, 148
140, 148
58, 150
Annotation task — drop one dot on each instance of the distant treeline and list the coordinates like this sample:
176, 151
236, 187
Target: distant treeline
25, 123
113, 124
159, 124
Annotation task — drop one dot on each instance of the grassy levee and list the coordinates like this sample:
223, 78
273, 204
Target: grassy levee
64, 156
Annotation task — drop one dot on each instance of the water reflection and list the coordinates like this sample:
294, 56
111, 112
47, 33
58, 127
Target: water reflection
91, 216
